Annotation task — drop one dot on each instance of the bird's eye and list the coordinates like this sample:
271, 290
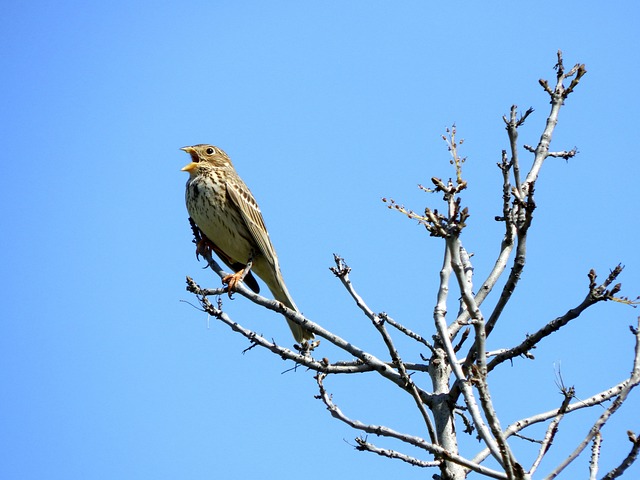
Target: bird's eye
210, 151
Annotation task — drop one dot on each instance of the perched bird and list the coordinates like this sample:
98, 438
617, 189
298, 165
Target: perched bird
224, 209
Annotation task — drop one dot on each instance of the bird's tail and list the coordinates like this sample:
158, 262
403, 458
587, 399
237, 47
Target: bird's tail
280, 293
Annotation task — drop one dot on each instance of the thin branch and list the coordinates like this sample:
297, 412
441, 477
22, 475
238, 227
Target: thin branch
405, 330
628, 460
633, 381
553, 429
360, 367
342, 272
410, 385
463, 338
418, 442
580, 70
595, 295
507, 244
595, 456
566, 154
378, 365
492, 353
365, 446
480, 379
256, 339
512, 129
466, 275
521, 424
509, 461
441, 326
523, 193
517, 222
525, 211
558, 95
305, 359
597, 399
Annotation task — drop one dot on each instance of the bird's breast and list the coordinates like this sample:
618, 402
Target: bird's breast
209, 206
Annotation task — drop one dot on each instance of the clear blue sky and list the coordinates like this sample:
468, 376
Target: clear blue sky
325, 107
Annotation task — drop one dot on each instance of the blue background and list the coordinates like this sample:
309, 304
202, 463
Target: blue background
325, 107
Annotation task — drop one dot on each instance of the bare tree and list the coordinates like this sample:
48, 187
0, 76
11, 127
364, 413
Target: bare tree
458, 363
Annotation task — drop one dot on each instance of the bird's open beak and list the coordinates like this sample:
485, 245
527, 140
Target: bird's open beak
193, 165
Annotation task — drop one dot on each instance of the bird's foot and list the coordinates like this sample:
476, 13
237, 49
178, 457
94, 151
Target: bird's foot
204, 247
232, 281
306, 347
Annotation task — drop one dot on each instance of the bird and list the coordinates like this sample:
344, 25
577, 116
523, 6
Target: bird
226, 212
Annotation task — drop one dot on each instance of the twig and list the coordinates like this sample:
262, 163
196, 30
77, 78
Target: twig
521, 424
512, 128
558, 95
410, 385
595, 295
628, 460
507, 243
405, 330
480, 379
552, 429
517, 220
633, 381
378, 365
318, 365
441, 326
342, 272
523, 191
365, 446
418, 442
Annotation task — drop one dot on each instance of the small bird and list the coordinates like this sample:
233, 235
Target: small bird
225, 211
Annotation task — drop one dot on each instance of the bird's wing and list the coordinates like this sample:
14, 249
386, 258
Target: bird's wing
252, 217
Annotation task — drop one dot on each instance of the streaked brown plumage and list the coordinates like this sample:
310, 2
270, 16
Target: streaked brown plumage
224, 209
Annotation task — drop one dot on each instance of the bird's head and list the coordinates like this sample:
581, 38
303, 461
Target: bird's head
203, 156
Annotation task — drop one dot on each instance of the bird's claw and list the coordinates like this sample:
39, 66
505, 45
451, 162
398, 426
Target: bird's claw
204, 247
232, 281
306, 347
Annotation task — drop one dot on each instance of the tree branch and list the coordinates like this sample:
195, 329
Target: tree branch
303, 358
480, 376
633, 381
441, 326
405, 330
365, 446
342, 272
418, 442
521, 424
595, 456
553, 428
595, 295
558, 95
378, 365
628, 460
